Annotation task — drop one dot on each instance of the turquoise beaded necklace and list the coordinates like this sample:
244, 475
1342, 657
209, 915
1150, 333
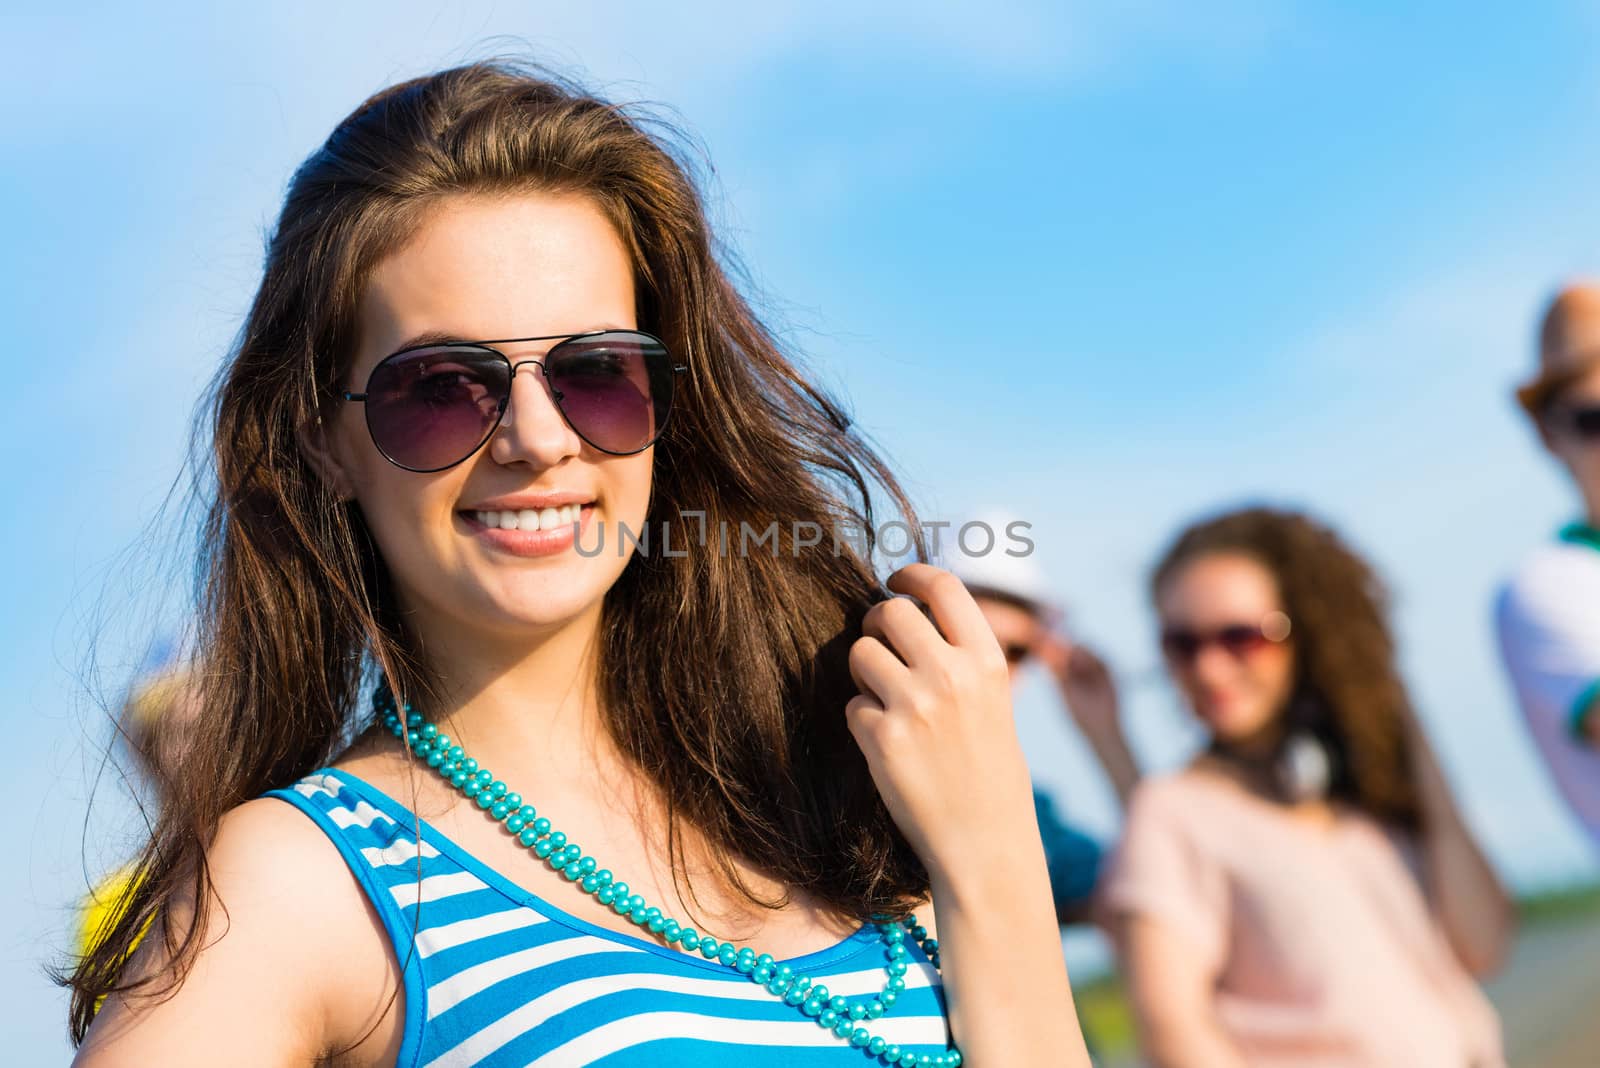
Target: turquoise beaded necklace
537, 833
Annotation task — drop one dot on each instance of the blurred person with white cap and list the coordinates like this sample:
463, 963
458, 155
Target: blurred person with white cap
1548, 613
1011, 590
153, 725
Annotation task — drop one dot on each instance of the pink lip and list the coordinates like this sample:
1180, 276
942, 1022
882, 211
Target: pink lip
517, 502
529, 542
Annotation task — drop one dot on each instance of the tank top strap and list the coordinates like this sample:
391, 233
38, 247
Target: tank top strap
390, 863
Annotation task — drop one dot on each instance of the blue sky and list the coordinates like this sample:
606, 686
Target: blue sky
1106, 267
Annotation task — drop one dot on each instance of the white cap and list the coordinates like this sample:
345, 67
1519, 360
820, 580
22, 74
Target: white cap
997, 570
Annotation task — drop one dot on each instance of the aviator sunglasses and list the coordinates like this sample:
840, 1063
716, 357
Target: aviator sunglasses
1185, 644
430, 407
1580, 420
1016, 652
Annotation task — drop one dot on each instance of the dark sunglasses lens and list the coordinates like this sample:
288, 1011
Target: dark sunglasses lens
1180, 644
614, 388
1586, 421
432, 408
1239, 639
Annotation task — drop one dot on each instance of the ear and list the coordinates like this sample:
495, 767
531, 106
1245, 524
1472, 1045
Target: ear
316, 441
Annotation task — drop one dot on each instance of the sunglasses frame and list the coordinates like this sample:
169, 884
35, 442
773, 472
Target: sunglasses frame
1260, 639
514, 366
1023, 653
1562, 418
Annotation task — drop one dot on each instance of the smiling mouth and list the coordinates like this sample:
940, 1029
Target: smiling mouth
531, 518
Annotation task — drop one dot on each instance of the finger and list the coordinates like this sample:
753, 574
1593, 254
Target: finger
1086, 662
862, 714
877, 671
958, 616
900, 624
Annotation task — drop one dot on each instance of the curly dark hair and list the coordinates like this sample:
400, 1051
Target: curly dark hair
1344, 652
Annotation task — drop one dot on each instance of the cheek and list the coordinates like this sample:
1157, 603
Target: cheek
1271, 674
410, 517
1190, 680
633, 483
398, 531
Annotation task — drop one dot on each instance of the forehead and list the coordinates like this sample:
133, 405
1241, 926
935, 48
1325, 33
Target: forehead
482, 267
1585, 389
1005, 618
1218, 588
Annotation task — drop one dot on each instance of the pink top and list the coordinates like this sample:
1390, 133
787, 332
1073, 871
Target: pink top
1323, 949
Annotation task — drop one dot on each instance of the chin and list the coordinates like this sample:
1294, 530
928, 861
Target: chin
543, 607
1232, 724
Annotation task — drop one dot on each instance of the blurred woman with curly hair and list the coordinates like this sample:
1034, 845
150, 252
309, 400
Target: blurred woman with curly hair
1305, 891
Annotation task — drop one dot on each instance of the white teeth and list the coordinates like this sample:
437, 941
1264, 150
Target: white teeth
532, 519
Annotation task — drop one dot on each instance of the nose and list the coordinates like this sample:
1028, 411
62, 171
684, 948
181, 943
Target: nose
1212, 665
532, 430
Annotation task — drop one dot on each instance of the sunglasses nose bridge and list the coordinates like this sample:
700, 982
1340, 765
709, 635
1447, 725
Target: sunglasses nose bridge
505, 402
520, 364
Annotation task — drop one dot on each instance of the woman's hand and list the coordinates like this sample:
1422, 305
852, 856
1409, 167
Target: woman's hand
1085, 682
1090, 693
934, 720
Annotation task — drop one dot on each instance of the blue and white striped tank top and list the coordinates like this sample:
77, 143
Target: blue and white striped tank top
499, 976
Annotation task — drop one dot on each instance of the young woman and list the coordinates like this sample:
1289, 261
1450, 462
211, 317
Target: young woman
1305, 892
493, 328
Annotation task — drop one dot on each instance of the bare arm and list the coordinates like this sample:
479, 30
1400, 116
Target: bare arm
1467, 896
1004, 977
934, 722
1172, 998
286, 972
1090, 694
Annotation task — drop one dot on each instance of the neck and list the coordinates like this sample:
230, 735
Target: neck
1591, 506
1254, 747
529, 707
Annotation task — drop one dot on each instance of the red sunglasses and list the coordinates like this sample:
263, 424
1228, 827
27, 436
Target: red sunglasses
1184, 645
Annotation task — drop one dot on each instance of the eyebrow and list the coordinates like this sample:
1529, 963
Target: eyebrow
445, 337
428, 337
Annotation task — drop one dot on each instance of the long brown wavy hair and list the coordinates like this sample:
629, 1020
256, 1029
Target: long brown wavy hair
1344, 651
724, 679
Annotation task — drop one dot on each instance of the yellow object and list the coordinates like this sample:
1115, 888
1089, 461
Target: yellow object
102, 908
152, 699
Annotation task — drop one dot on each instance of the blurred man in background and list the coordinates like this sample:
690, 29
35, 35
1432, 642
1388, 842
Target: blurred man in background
1011, 592
1548, 614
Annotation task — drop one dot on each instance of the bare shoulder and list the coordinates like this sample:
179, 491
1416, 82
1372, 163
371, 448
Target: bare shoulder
293, 961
